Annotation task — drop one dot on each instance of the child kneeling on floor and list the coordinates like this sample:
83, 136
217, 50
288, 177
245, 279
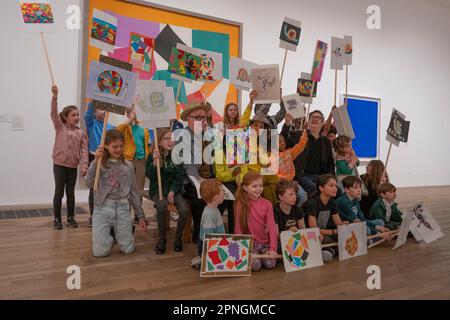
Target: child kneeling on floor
212, 222
117, 187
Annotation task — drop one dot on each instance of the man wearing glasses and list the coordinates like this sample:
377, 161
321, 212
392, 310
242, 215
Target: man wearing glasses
197, 116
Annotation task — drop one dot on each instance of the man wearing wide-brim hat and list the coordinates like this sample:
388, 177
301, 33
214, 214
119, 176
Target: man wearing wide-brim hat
196, 112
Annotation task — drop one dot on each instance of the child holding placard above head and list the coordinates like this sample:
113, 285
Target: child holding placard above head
172, 190
349, 209
212, 222
94, 126
117, 187
254, 215
136, 139
374, 176
346, 160
322, 213
385, 208
70, 150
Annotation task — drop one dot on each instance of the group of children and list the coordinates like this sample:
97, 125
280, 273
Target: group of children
316, 185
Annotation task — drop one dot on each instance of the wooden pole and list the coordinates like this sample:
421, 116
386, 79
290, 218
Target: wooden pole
387, 158
102, 142
284, 63
335, 87
158, 164
44, 45
346, 82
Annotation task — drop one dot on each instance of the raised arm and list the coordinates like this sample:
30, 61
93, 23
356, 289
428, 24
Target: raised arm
56, 119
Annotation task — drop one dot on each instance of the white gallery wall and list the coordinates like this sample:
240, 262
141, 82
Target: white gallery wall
406, 64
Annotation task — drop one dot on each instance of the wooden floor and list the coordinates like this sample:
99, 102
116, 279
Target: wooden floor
34, 258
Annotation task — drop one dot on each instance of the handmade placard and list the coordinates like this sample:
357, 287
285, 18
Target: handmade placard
111, 84
184, 63
290, 34
37, 16
337, 53
294, 105
348, 50
154, 103
210, 66
342, 121
141, 51
304, 86
226, 255
266, 82
104, 30
404, 230
301, 250
352, 240
398, 127
423, 225
240, 73
319, 61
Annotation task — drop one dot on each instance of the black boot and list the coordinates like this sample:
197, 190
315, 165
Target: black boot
71, 223
57, 224
160, 246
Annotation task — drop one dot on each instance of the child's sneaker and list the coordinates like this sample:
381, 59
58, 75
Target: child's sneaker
328, 254
71, 223
57, 224
196, 262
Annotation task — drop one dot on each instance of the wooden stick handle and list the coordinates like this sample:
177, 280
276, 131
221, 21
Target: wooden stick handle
44, 45
376, 243
284, 63
387, 158
158, 164
102, 142
346, 81
335, 87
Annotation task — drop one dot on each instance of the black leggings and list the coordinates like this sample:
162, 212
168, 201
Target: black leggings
197, 206
91, 191
65, 178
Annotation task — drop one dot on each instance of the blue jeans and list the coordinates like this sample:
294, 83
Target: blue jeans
309, 182
116, 214
374, 223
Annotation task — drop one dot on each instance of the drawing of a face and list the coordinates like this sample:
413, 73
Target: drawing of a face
348, 48
243, 75
157, 99
398, 127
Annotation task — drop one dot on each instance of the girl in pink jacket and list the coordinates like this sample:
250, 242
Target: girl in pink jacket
69, 151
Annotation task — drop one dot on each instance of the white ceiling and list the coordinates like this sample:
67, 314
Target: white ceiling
443, 3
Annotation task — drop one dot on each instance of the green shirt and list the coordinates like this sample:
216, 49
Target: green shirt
139, 138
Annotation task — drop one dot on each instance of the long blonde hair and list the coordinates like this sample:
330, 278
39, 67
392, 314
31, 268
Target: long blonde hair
226, 119
243, 200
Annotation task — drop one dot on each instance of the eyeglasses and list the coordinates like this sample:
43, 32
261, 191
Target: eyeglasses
316, 118
199, 118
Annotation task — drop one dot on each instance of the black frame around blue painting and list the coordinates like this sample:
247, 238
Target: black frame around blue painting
365, 114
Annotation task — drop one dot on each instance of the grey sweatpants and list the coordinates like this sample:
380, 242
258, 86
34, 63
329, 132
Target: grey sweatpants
116, 214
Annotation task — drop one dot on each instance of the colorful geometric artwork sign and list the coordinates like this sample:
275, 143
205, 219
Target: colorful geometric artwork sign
352, 240
141, 52
184, 63
104, 30
319, 61
226, 255
37, 12
301, 250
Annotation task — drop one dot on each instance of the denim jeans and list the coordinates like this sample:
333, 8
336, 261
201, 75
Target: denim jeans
116, 214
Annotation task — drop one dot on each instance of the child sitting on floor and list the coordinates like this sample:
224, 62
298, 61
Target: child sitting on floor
385, 208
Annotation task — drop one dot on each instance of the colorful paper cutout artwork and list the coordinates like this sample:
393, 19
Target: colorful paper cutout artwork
319, 61
398, 127
154, 103
304, 86
37, 16
352, 240
404, 230
266, 82
424, 226
104, 30
37, 12
184, 63
301, 250
240, 73
337, 53
348, 50
141, 52
210, 66
294, 106
165, 41
226, 255
342, 121
290, 34
111, 84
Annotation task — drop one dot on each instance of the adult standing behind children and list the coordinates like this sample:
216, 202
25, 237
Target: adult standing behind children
94, 126
136, 150
69, 151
